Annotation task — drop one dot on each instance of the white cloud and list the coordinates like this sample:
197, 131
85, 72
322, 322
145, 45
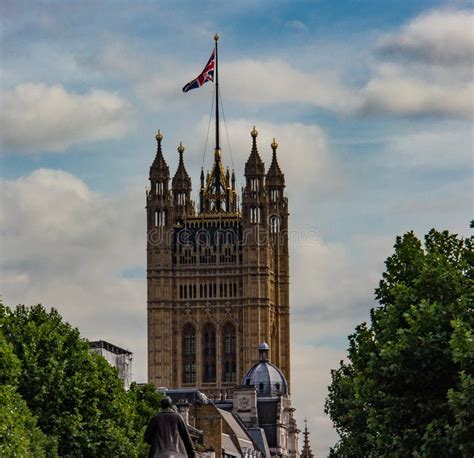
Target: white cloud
296, 25
37, 117
271, 81
425, 68
439, 37
303, 154
65, 246
245, 81
396, 90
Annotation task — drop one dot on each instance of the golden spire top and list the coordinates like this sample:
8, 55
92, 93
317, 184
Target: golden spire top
216, 37
159, 136
274, 144
254, 132
180, 148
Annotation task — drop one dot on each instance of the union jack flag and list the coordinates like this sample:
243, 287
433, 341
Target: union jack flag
206, 75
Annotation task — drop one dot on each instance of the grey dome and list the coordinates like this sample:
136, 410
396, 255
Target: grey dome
267, 378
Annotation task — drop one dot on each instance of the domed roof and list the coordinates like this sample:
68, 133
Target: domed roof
267, 378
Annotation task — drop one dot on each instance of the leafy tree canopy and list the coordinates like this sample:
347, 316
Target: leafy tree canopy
19, 434
407, 388
75, 396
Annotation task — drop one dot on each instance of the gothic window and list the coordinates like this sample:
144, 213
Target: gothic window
275, 224
160, 217
229, 363
189, 354
181, 198
209, 353
253, 215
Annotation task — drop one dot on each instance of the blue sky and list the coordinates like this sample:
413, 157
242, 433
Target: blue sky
370, 102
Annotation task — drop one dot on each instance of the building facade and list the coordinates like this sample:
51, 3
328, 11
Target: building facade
217, 272
259, 421
117, 357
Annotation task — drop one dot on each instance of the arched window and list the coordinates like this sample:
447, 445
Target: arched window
275, 224
209, 353
189, 354
229, 364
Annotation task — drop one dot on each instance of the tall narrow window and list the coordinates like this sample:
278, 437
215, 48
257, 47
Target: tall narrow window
229, 364
209, 353
189, 354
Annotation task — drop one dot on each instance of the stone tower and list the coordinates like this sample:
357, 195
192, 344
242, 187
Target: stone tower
218, 275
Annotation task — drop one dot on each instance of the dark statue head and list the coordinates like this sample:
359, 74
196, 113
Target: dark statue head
166, 403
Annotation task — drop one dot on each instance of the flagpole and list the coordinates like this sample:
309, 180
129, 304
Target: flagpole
217, 152
216, 38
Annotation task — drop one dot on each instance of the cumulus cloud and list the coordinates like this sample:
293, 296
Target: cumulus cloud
66, 246
37, 117
303, 154
271, 80
276, 81
440, 37
425, 68
395, 90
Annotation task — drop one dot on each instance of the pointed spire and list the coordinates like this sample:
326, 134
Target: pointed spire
254, 164
159, 161
275, 176
181, 179
159, 169
306, 452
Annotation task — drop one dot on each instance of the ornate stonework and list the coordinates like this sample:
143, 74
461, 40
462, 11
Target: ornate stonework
218, 276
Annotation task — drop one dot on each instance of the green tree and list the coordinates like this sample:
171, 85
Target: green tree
76, 396
407, 387
19, 434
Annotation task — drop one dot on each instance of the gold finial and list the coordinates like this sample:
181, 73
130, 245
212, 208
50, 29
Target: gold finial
216, 37
159, 136
180, 148
254, 132
274, 144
